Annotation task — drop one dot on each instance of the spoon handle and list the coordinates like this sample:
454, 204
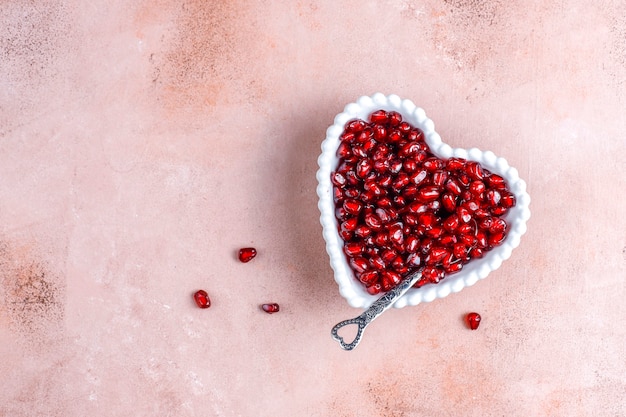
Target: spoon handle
375, 310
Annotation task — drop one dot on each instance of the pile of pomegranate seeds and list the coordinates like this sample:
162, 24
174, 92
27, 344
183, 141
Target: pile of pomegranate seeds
400, 207
202, 299
473, 320
271, 308
246, 254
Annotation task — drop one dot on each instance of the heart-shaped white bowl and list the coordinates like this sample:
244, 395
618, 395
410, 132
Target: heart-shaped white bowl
349, 287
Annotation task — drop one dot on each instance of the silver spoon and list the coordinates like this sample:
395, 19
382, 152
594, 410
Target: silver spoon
375, 310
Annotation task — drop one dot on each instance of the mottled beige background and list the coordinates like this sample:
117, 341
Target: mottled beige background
141, 145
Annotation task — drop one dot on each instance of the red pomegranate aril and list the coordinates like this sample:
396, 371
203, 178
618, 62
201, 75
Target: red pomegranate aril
474, 170
351, 192
353, 207
496, 182
379, 116
415, 135
463, 214
507, 200
473, 320
355, 125
351, 178
394, 136
498, 211
435, 232
448, 201
383, 215
395, 165
481, 213
467, 228
428, 220
359, 151
448, 240
418, 177
455, 164
370, 250
380, 133
425, 245
477, 187
246, 254
363, 167
439, 178
413, 260
384, 202
410, 192
388, 255
481, 239
384, 181
459, 250
347, 137
493, 197
408, 149
395, 118
453, 186
485, 223
428, 193
381, 239
271, 308
377, 262
468, 240
338, 194
404, 127
344, 151
451, 223
495, 239
409, 166
464, 180
398, 264
432, 274
373, 221
476, 253
401, 181
389, 279
364, 136
433, 164
399, 201
349, 225
353, 249
436, 255
471, 205
338, 179
362, 231
497, 225
453, 267
359, 264
396, 235
411, 244
345, 235
368, 277
374, 289
202, 299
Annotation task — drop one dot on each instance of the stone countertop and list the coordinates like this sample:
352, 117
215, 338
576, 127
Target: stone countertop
141, 146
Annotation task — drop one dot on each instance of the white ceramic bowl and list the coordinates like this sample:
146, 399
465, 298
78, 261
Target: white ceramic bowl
349, 287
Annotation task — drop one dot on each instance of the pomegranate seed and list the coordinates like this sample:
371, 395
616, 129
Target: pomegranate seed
496, 182
362, 231
202, 299
379, 116
428, 193
463, 214
451, 223
448, 201
395, 118
453, 267
353, 249
477, 187
447, 240
271, 308
507, 200
474, 170
439, 178
413, 260
374, 289
496, 238
246, 254
453, 186
418, 177
473, 320
493, 197
389, 279
409, 166
359, 264
497, 225
455, 164
411, 243
363, 167
368, 277
353, 207
349, 225
459, 250
355, 126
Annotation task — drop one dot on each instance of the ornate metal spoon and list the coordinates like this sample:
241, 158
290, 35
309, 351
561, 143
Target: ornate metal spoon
375, 310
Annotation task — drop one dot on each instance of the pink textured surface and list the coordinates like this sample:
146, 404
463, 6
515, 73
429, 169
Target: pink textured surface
141, 146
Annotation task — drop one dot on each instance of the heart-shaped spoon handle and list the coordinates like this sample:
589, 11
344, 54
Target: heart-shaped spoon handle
375, 310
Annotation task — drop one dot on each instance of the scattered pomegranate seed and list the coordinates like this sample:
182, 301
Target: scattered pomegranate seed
246, 254
400, 207
473, 320
202, 299
271, 308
